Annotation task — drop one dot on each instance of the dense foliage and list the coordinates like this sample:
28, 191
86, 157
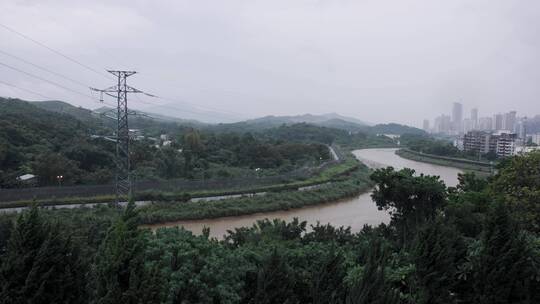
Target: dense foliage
62, 144
303, 132
430, 145
477, 242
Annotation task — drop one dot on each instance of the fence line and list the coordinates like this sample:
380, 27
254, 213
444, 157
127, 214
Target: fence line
20, 194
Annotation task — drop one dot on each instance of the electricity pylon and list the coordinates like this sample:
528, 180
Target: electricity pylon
120, 92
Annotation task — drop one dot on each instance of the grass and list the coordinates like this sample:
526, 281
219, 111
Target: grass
351, 183
357, 183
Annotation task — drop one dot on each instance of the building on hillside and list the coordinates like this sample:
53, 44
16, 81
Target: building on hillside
503, 144
477, 141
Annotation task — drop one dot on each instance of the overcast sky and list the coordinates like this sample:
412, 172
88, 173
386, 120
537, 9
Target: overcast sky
379, 61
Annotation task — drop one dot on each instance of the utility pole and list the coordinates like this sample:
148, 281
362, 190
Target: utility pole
120, 92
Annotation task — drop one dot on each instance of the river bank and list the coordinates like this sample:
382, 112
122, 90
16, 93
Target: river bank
331, 173
354, 183
481, 168
353, 212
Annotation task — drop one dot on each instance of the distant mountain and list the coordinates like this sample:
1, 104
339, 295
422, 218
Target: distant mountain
159, 117
393, 128
65, 108
331, 120
193, 113
307, 118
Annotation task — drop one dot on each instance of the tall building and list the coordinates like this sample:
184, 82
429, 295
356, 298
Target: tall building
485, 124
521, 128
474, 118
509, 121
468, 125
442, 124
425, 126
457, 116
498, 122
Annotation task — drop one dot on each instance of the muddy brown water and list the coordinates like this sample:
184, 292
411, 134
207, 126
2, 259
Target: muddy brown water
354, 212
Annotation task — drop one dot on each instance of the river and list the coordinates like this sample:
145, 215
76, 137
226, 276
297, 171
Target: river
354, 212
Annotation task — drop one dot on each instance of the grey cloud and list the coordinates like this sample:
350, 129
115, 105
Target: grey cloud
377, 60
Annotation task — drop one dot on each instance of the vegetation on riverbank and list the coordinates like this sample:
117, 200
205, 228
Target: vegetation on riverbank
356, 182
476, 243
441, 147
334, 172
465, 164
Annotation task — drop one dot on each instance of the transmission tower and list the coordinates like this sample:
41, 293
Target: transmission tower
120, 92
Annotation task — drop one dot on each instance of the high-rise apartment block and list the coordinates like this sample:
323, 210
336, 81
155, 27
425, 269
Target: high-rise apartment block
474, 117
509, 121
485, 124
457, 116
502, 143
498, 121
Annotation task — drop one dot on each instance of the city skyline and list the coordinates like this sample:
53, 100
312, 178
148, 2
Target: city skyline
455, 122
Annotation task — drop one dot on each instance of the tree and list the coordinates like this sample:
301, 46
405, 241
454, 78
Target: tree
326, 283
49, 166
503, 273
373, 286
518, 183
435, 257
274, 281
41, 264
469, 182
410, 199
121, 275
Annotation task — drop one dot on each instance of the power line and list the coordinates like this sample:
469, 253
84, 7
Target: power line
174, 108
54, 51
44, 69
204, 108
46, 80
26, 90
49, 81
90, 69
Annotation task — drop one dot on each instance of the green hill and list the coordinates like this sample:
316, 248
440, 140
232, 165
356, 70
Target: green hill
49, 144
393, 128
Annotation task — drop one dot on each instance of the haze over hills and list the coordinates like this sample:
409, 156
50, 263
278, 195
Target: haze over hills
307, 118
330, 120
66, 108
